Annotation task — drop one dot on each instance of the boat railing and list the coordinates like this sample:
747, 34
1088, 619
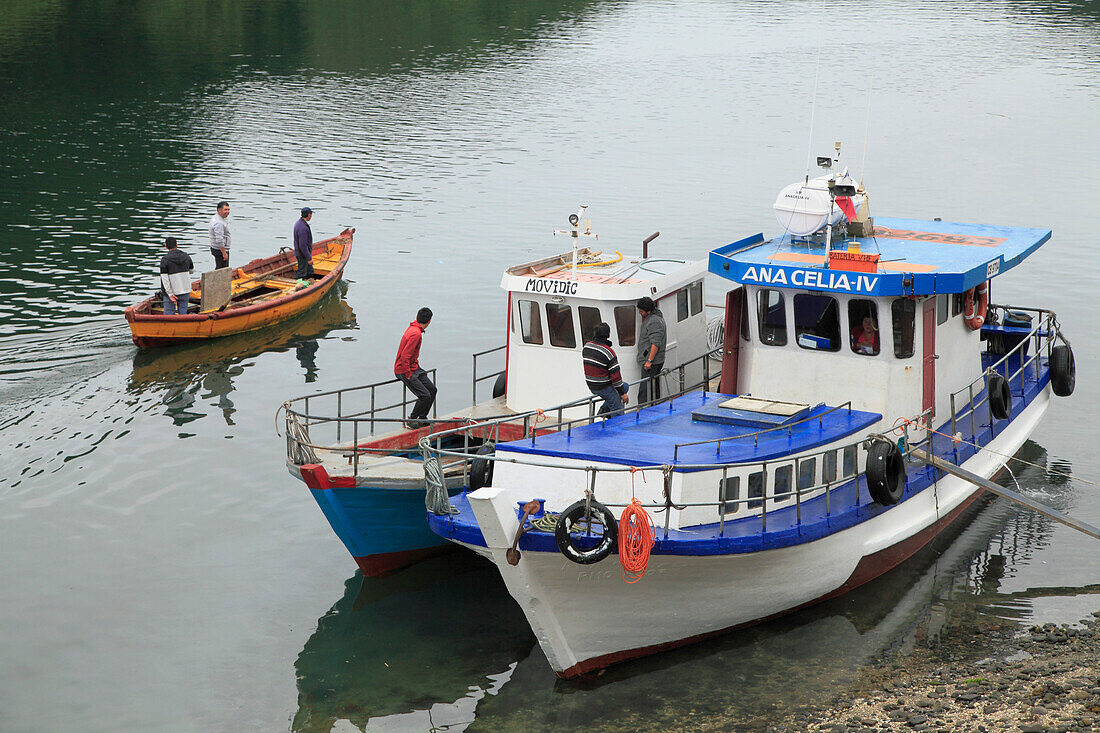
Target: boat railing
839, 465
1044, 334
476, 379
789, 427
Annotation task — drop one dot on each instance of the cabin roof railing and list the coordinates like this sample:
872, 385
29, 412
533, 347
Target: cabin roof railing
911, 257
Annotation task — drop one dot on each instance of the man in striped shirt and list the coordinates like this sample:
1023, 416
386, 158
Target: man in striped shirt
601, 371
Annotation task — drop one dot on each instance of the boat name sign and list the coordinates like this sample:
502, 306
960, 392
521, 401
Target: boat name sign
557, 287
816, 279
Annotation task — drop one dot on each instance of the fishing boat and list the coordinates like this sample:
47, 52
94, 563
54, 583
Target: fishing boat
261, 293
869, 392
362, 464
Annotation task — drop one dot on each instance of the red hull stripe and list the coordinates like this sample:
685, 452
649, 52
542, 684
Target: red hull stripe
868, 569
374, 566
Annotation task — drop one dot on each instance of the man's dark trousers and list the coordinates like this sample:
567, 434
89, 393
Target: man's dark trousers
421, 386
650, 378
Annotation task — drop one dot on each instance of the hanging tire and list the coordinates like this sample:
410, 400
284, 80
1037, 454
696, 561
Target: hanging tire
885, 473
481, 468
1000, 398
1063, 370
500, 386
590, 548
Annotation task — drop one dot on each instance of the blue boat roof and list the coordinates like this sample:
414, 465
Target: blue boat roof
649, 436
916, 258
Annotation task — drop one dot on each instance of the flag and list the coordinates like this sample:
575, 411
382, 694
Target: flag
846, 205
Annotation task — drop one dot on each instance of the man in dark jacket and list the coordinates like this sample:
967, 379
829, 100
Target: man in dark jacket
601, 371
175, 279
303, 245
651, 350
407, 368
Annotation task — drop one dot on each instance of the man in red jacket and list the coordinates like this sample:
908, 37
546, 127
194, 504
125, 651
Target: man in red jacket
407, 368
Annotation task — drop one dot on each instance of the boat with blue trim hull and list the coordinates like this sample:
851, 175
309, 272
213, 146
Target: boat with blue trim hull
860, 358
361, 462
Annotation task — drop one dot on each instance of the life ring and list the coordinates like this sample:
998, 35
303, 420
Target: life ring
1000, 398
1063, 370
975, 314
885, 472
584, 552
481, 468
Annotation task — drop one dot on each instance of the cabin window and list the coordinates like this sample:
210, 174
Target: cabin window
941, 310
783, 483
756, 489
695, 297
849, 460
956, 304
772, 317
559, 321
589, 318
681, 304
828, 467
807, 467
732, 485
530, 322
625, 324
863, 321
905, 312
745, 319
817, 322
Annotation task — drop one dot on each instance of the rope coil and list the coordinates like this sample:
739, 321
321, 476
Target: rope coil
635, 537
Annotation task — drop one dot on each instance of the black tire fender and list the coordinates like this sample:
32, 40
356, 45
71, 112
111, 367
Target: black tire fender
885, 472
500, 386
566, 544
481, 468
1000, 397
1063, 370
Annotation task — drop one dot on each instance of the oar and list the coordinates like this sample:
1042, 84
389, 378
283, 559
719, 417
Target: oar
1009, 494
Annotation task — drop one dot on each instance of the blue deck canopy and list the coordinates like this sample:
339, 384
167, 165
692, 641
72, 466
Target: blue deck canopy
915, 258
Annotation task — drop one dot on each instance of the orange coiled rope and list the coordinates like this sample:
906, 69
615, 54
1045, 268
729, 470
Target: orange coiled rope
635, 537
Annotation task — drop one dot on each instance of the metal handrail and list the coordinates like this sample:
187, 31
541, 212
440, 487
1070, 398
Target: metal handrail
756, 436
476, 379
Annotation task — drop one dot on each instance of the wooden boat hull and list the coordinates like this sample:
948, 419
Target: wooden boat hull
151, 328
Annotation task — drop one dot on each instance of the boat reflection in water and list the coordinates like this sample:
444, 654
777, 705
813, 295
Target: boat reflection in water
415, 650
210, 366
432, 645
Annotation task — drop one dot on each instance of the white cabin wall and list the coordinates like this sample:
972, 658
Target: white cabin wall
959, 362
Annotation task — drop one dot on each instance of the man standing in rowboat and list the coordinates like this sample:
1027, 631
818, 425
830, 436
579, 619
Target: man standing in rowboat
303, 245
175, 279
407, 368
219, 236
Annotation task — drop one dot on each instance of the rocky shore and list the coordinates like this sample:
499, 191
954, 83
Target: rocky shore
1045, 680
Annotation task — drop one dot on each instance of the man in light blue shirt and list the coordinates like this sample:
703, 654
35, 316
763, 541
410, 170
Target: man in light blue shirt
219, 236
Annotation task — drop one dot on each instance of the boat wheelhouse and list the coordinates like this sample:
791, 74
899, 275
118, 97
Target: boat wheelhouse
869, 390
363, 465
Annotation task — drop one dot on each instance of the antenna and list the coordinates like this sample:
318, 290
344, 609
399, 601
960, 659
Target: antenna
867, 129
813, 109
575, 233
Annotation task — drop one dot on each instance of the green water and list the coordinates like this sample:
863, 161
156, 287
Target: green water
162, 570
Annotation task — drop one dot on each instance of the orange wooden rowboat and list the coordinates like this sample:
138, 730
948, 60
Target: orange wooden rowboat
263, 292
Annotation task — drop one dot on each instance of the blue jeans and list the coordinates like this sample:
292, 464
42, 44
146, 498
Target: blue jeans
179, 307
612, 401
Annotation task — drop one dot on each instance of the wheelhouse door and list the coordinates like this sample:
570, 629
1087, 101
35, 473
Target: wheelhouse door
731, 340
928, 363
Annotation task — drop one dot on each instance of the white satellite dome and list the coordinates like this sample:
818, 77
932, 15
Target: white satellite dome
803, 208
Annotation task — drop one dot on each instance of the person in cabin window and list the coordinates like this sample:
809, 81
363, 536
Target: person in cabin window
219, 236
303, 245
865, 337
651, 349
407, 368
601, 371
175, 279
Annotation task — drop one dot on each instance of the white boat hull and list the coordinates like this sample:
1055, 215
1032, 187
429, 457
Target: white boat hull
586, 617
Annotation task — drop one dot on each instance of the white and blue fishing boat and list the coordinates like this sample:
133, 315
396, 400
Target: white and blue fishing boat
869, 392
362, 464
